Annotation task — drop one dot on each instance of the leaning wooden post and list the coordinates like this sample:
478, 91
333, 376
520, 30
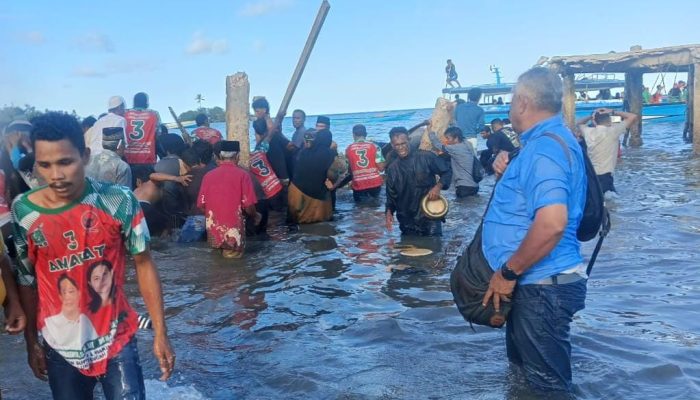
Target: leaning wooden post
634, 86
237, 106
569, 100
696, 108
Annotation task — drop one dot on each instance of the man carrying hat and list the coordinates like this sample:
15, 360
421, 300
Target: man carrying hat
366, 164
410, 178
108, 165
226, 194
113, 119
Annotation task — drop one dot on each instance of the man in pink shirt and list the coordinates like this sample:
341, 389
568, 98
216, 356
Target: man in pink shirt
204, 132
227, 194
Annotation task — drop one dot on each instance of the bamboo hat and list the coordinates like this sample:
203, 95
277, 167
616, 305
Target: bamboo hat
434, 209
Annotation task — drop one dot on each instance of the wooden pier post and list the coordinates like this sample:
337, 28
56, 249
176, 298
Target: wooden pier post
237, 111
695, 93
634, 86
689, 117
569, 100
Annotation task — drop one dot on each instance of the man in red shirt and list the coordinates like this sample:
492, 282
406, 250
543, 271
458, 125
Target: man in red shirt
225, 195
366, 164
141, 129
72, 238
204, 132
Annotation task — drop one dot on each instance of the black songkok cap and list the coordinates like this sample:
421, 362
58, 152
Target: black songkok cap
322, 119
230, 145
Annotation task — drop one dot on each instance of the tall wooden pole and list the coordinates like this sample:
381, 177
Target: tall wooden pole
237, 105
304, 58
569, 100
634, 87
696, 109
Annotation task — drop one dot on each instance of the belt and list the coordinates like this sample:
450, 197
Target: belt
560, 279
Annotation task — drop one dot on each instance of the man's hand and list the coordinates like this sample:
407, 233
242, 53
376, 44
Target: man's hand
15, 320
499, 290
434, 193
184, 180
165, 356
37, 361
389, 221
500, 163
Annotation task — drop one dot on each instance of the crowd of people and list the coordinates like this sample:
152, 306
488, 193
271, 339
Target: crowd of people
84, 196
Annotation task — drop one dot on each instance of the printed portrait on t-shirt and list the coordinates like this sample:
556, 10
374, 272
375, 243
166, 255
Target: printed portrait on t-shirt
70, 328
100, 279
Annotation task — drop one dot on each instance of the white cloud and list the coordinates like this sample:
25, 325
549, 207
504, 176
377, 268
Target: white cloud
262, 7
203, 45
34, 38
114, 67
88, 72
95, 42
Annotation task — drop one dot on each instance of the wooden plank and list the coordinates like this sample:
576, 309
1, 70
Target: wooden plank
569, 100
237, 105
689, 115
183, 132
304, 58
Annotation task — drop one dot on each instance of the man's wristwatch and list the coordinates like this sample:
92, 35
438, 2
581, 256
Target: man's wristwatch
507, 273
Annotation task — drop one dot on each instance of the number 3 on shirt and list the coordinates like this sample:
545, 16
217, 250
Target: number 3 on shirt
72, 243
362, 160
137, 132
260, 166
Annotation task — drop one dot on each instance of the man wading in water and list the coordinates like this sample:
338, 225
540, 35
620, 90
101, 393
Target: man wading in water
529, 234
61, 230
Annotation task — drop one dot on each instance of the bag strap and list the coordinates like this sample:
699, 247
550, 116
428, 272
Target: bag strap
605, 224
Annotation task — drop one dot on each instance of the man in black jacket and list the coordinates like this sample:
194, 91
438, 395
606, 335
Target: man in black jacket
409, 179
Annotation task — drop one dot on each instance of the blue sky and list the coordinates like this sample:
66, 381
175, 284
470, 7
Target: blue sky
370, 56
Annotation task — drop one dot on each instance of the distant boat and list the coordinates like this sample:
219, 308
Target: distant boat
662, 112
186, 124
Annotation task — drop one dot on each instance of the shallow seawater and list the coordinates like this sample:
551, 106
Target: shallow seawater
319, 313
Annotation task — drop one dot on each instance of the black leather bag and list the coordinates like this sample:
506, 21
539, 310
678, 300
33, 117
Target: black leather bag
470, 281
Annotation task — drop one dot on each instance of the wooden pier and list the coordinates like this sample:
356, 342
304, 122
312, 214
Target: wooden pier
634, 64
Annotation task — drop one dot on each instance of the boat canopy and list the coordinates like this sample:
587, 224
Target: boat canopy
582, 84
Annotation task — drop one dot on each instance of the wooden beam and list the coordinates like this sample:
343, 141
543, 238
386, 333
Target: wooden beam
569, 100
183, 132
634, 86
305, 54
237, 105
696, 109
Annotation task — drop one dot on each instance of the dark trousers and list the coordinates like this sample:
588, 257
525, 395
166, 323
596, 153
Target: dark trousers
606, 182
466, 191
123, 380
537, 332
368, 194
424, 227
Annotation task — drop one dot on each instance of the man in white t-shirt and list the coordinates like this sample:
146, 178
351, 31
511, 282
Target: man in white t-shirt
603, 141
113, 119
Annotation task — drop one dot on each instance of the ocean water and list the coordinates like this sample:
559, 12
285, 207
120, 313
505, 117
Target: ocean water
335, 312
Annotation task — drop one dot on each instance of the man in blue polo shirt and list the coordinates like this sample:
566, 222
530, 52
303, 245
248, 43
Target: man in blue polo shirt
529, 234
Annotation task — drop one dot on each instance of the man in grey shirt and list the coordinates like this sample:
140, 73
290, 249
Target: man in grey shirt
469, 117
108, 166
462, 155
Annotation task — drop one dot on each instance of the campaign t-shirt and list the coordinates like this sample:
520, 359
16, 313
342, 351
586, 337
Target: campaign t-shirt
75, 255
141, 127
211, 135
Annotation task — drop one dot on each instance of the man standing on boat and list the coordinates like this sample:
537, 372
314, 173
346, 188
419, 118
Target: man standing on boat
529, 235
603, 142
410, 178
469, 117
451, 72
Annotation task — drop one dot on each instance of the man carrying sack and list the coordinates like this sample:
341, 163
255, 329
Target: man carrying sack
537, 280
